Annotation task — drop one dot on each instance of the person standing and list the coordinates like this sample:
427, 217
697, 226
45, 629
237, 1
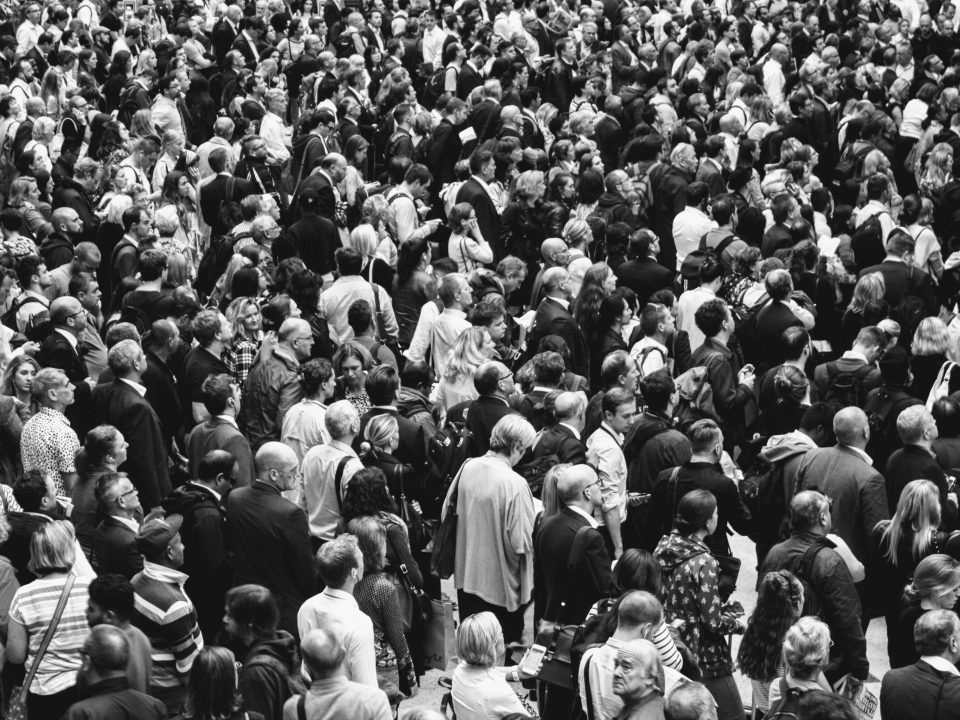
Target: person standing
221, 399
493, 569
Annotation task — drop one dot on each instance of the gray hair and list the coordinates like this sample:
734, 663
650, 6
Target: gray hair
510, 432
912, 422
123, 358
341, 419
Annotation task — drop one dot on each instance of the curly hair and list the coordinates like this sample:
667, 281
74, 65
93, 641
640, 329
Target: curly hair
779, 604
366, 494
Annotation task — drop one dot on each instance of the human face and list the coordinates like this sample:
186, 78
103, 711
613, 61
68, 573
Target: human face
622, 418
73, 223
127, 496
175, 551
251, 318
610, 282
631, 678
230, 625
119, 451
302, 344
173, 90
94, 614
352, 371
90, 299
23, 377
488, 349
183, 186
497, 329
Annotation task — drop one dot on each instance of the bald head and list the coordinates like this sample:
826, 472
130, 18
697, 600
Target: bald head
569, 406
323, 653
223, 127
63, 308
850, 427
572, 481
551, 249
291, 327
274, 458
108, 650
554, 280
62, 217
642, 656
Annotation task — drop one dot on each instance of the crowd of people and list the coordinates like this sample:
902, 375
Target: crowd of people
307, 306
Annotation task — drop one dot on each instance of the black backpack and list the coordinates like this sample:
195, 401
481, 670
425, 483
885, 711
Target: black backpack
867, 242
882, 421
910, 311
434, 87
761, 490
689, 276
447, 451
845, 388
850, 165
788, 705
747, 333
9, 318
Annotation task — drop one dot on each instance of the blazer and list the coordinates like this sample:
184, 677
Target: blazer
118, 404
213, 195
644, 276
554, 582
57, 352
919, 691
553, 319
485, 118
115, 549
481, 415
488, 219
467, 80
219, 434
270, 541
710, 174
772, 320
624, 65
857, 489
326, 198
610, 138
560, 441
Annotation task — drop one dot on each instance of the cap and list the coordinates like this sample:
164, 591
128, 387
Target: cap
155, 535
308, 198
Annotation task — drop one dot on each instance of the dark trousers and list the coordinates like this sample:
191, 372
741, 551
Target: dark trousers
50, 706
510, 622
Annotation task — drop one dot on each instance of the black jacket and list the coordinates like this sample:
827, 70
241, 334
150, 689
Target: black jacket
652, 445
57, 352
553, 319
264, 679
920, 691
912, 462
644, 276
560, 441
115, 549
56, 250
114, 700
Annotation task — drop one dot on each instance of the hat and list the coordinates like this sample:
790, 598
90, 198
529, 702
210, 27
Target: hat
308, 198
155, 535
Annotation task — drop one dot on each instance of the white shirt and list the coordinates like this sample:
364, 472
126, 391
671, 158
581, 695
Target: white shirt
773, 80
450, 325
941, 664
166, 114
405, 212
304, 427
337, 299
317, 485
277, 137
689, 226
686, 308
417, 352
27, 35
337, 611
605, 452
655, 359
433, 46
580, 511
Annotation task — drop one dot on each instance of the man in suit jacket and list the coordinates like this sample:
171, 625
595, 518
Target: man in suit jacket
220, 189
844, 473
221, 398
248, 43
471, 73
226, 32
930, 688
485, 116
323, 181
571, 565
445, 145
564, 438
269, 536
642, 273
494, 381
115, 540
313, 238
775, 317
609, 133
121, 403
710, 171
60, 350
476, 191
553, 317
901, 277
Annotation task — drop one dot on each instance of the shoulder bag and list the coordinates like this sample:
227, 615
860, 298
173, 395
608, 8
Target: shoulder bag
444, 553
393, 345
18, 699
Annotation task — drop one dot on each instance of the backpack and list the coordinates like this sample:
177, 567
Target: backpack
9, 318
696, 398
689, 276
392, 148
845, 388
643, 186
867, 242
434, 87
803, 569
882, 422
535, 470
850, 165
447, 450
746, 331
643, 358
127, 106
910, 311
290, 682
788, 705
761, 490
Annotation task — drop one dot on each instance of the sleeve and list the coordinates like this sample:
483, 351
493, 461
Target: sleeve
400, 543
392, 626
708, 600
840, 609
140, 455
302, 564
667, 648
518, 523
290, 394
738, 514
597, 560
728, 396
183, 637
479, 251
8, 589
598, 455
361, 657
873, 500
420, 343
389, 318
405, 212
591, 657
210, 550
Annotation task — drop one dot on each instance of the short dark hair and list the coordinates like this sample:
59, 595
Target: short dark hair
314, 373
657, 388
215, 392
710, 317
723, 207
418, 374
349, 261
382, 384
548, 367
822, 705
255, 608
151, 264
359, 316
30, 490
27, 267
112, 593
131, 215
710, 270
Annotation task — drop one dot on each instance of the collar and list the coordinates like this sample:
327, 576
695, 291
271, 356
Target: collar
71, 338
940, 663
857, 451
204, 488
141, 390
162, 573
128, 522
228, 419
282, 352
132, 239
582, 513
576, 433
335, 594
106, 687
854, 355
342, 447
565, 304
455, 313
613, 433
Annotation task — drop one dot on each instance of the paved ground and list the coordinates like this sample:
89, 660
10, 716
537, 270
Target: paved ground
430, 693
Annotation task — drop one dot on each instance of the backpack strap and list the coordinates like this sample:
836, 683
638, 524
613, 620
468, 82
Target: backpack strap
302, 707
338, 478
724, 244
588, 692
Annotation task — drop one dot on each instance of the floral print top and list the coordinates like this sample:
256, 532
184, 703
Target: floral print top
690, 576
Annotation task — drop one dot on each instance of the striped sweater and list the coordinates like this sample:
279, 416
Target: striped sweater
167, 617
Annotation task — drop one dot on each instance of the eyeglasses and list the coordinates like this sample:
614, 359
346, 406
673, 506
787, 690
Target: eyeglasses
595, 482
508, 376
128, 492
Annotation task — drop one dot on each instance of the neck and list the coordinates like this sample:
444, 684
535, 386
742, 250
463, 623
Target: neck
215, 348
925, 444
703, 458
56, 406
207, 485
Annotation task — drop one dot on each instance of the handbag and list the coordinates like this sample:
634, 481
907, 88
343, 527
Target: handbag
557, 666
409, 512
415, 608
391, 342
17, 710
444, 553
438, 640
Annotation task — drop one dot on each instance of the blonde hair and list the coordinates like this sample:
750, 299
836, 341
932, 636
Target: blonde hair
510, 432
364, 239
806, 648
379, 430
918, 511
466, 355
52, 548
526, 185
117, 206
938, 164
868, 288
931, 337
480, 640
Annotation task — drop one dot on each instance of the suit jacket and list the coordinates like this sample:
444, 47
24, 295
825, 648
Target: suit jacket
644, 276
118, 404
488, 218
443, 152
467, 80
553, 319
223, 36
412, 447
857, 489
772, 320
710, 174
57, 352
313, 238
919, 691
901, 280
327, 199
213, 195
554, 581
623, 65
912, 462
115, 549
250, 54
480, 417
270, 541
610, 138
219, 434
559, 440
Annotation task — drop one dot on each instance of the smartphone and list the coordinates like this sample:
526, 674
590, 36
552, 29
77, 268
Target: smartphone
530, 664
748, 368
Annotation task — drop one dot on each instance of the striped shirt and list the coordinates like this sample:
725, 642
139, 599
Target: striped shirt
169, 620
33, 607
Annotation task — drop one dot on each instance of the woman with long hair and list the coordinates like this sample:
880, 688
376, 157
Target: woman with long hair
606, 335
351, 363
114, 144
469, 351
377, 597
691, 593
381, 438
24, 197
938, 171
212, 692
172, 145
52, 555
53, 92
104, 450
779, 605
916, 215
118, 74
179, 192
245, 318
355, 149
598, 282
869, 288
412, 287
202, 108
369, 495
935, 586
141, 124
365, 240
928, 353
467, 246
17, 382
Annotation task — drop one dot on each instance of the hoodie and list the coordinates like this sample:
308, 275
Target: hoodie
269, 672
613, 207
784, 452
690, 593
653, 445
417, 407
56, 250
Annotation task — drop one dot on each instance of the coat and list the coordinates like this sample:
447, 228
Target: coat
857, 489
653, 444
488, 219
57, 352
114, 700
644, 276
919, 691
118, 404
555, 582
772, 320
219, 434
729, 396
212, 196
560, 441
272, 387
901, 280
912, 462
115, 549
270, 541
553, 319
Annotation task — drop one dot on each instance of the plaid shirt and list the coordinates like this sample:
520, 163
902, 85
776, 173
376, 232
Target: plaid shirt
239, 359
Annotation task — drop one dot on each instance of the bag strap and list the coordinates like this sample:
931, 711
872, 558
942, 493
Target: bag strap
303, 159
231, 181
724, 244
338, 477
588, 692
302, 707
47, 636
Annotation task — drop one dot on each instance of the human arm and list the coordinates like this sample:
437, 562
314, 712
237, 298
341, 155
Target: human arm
729, 394
667, 648
18, 640
873, 499
291, 392
420, 343
840, 610
389, 318
300, 557
708, 600
361, 661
